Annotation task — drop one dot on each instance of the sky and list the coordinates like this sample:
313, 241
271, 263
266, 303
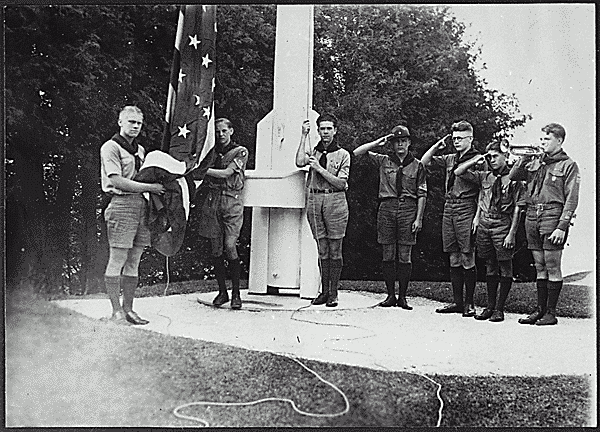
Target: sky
545, 55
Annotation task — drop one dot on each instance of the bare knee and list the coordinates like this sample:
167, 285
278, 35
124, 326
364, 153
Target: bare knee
492, 268
323, 247
133, 261
455, 259
506, 268
404, 253
116, 261
389, 252
335, 248
467, 260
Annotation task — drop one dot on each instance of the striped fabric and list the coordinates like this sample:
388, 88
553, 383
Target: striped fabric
189, 135
189, 128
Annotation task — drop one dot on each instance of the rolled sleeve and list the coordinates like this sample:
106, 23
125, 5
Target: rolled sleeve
572, 182
421, 182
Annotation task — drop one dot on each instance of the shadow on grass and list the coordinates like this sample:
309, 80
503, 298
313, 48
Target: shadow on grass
65, 369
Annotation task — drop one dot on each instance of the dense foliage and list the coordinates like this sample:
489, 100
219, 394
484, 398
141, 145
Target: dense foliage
70, 68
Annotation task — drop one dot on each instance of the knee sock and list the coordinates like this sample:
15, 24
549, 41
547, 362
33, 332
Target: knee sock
470, 281
492, 282
113, 289
389, 276
220, 273
457, 278
505, 286
542, 293
554, 288
404, 272
325, 271
335, 272
235, 268
129, 284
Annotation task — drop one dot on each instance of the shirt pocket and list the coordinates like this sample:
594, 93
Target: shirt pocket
555, 180
409, 181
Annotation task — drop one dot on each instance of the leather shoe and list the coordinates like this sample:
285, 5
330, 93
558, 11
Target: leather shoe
497, 316
485, 314
389, 301
548, 319
331, 303
118, 316
469, 311
320, 300
532, 319
451, 308
134, 318
221, 299
402, 303
236, 302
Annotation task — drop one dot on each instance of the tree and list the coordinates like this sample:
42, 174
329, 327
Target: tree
379, 66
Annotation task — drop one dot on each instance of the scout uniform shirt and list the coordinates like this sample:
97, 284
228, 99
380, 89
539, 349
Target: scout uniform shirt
235, 157
114, 159
554, 180
457, 187
414, 183
511, 193
338, 164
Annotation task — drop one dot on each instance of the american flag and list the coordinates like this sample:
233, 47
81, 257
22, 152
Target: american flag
189, 129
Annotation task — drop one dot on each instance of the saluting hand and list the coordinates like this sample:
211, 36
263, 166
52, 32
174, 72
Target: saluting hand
441, 144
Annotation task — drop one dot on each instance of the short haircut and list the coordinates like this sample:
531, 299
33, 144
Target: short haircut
327, 117
497, 146
555, 129
462, 126
226, 121
130, 109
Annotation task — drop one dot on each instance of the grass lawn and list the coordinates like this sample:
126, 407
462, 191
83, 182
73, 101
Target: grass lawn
65, 369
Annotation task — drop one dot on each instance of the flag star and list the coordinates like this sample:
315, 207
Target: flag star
206, 61
194, 41
203, 8
183, 131
215, 27
206, 112
197, 100
213, 84
181, 75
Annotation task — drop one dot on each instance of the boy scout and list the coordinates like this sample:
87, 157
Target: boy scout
121, 158
457, 219
552, 197
327, 208
499, 206
223, 210
402, 197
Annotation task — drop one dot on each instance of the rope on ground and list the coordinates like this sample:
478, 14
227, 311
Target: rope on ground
177, 414
292, 317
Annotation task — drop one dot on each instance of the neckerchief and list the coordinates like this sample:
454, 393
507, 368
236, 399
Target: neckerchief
540, 174
333, 147
131, 148
496, 199
222, 152
471, 153
399, 174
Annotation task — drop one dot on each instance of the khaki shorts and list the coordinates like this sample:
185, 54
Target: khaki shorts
490, 238
457, 222
222, 215
327, 214
125, 219
539, 225
394, 221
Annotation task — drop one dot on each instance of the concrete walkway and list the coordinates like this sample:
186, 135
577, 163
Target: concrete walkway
356, 333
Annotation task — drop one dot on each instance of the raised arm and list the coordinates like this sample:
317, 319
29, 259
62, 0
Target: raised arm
463, 167
371, 145
440, 145
302, 156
